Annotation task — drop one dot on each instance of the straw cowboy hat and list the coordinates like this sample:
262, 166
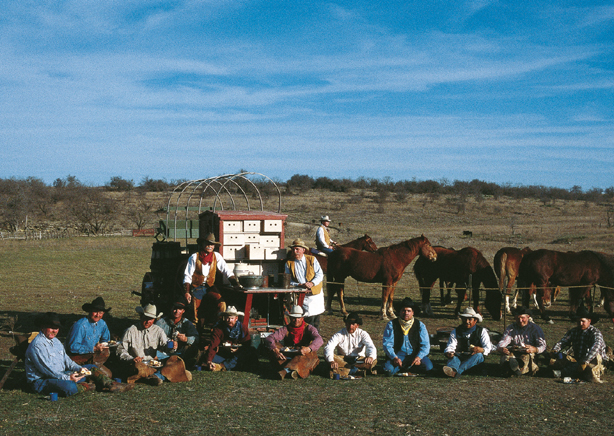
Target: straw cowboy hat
148, 311
299, 243
324, 218
296, 312
95, 306
232, 311
470, 313
208, 240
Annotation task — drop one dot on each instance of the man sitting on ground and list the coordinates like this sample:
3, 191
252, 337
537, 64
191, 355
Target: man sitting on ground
520, 344
294, 347
88, 339
355, 352
182, 332
49, 369
468, 344
230, 346
588, 348
406, 342
142, 349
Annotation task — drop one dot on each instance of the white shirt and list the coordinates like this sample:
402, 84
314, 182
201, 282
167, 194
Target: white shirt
484, 341
320, 237
358, 343
313, 304
222, 267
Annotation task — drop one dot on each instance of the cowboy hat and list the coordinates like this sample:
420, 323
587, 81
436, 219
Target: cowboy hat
470, 313
148, 311
232, 311
353, 318
180, 304
299, 243
296, 312
583, 312
95, 306
522, 310
324, 218
49, 319
208, 240
408, 302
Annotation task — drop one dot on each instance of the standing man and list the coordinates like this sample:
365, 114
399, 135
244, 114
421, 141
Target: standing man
468, 344
199, 281
588, 348
182, 332
230, 346
87, 340
520, 343
406, 341
351, 350
307, 273
300, 343
323, 241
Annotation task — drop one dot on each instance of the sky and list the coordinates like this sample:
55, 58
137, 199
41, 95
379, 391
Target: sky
509, 92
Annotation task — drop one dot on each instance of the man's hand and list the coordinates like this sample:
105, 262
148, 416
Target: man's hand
417, 361
138, 359
76, 377
397, 362
279, 354
334, 365
182, 337
503, 350
210, 365
308, 285
449, 354
188, 297
477, 350
305, 350
98, 347
368, 360
531, 349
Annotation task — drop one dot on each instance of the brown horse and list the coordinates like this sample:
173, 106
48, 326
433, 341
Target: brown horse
455, 267
385, 266
607, 291
364, 243
540, 270
506, 264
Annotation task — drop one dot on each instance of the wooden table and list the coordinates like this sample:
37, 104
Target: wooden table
249, 294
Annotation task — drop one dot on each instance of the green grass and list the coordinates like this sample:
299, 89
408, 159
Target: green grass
61, 275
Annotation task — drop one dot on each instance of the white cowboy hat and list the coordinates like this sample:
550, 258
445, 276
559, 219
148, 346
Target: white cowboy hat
324, 218
149, 311
470, 313
232, 311
296, 312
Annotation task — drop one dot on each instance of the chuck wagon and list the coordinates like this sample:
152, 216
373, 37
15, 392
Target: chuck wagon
252, 239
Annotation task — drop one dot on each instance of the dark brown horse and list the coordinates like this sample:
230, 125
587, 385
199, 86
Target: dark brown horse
453, 267
385, 266
540, 270
607, 281
506, 264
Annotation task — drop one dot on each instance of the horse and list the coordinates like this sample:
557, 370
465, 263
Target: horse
455, 267
607, 291
506, 264
580, 271
424, 270
385, 266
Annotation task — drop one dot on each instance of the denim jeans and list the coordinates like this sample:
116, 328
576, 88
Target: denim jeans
425, 365
461, 366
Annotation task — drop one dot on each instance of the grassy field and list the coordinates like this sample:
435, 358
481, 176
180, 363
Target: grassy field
61, 275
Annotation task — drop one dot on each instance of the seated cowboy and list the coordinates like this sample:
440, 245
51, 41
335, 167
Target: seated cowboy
49, 369
141, 351
88, 339
351, 351
307, 273
323, 241
406, 342
230, 346
468, 344
294, 347
589, 354
520, 344
181, 332
199, 281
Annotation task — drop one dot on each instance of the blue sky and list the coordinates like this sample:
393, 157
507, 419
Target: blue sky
502, 91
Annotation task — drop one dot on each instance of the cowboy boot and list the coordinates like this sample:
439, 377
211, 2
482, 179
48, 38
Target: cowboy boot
106, 371
105, 383
84, 387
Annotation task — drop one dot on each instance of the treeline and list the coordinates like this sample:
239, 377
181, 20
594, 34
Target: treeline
68, 204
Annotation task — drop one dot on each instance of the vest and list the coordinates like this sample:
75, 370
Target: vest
198, 278
475, 339
310, 272
326, 236
413, 334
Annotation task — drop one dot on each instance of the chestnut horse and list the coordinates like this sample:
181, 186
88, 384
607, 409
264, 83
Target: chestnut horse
540, 270
455, 267
364, 243
385, 266
506, 264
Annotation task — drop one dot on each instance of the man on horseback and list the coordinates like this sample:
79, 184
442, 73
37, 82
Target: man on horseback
323, 241
406, 341
307, 273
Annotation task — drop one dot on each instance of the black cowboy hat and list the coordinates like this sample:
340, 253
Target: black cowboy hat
180, 303
353, 318
408, 302
95, 306
583, 312
522, 310
49, 319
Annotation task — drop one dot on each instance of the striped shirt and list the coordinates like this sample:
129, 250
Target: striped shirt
586, 344
531, 334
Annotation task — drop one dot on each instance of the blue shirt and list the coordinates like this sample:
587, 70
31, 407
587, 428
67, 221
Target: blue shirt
47, 359
406, 348
185, 327
84, 335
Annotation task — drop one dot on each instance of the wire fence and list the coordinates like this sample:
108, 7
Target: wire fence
57, 234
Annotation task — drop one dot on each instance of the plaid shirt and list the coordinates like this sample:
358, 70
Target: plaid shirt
586, 344
532, 335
